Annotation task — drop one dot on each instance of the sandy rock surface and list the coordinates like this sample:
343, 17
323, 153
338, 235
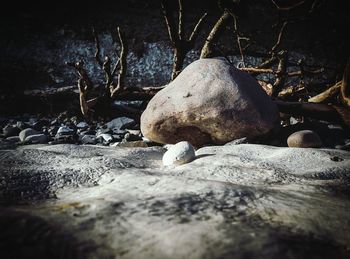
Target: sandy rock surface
235, 201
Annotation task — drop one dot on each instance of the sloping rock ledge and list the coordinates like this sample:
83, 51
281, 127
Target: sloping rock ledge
233, 201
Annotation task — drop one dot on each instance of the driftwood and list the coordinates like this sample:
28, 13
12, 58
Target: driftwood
111, 88
334, 112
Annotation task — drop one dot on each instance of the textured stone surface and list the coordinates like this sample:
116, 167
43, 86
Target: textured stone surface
241, 201
305, 139
209, 102
178, 154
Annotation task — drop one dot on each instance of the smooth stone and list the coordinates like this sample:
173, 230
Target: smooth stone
209, 102
13, 139
22, 125
120, 123
82, 125
107, 138
304, 139
27, 132
88, 139
64, 130
180, 153
36, 139
10, 131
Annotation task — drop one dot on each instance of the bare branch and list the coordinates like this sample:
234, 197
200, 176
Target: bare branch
123, 66
281, 74
196, 28
79, 66
287, 8
214, 35
169, 22
345, 87
181, 24
279, 38
98, 49
326, 95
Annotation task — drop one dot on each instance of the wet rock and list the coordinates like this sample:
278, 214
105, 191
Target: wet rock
304, 139
180, 153
210, 102
10, 131
36, 139
26, 133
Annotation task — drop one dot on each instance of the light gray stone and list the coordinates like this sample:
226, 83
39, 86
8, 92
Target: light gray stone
178, 154
241, 201
120, 123
14, 139
82, 125
64, 130
88, 139
36, 139
209, 102
107, 138
26, 133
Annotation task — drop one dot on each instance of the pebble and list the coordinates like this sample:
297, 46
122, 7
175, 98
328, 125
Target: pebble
120, 123
178, 154
36, 139
82, 125
26, 133
14, 139
88, 139
106, 138
64, 130
10, 131
304, 139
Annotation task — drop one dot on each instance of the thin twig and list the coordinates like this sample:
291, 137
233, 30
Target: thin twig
287, 8
98, 49
196, 27
181, 24
279, 38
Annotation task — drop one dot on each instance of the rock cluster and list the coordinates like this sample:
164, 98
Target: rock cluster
121, 131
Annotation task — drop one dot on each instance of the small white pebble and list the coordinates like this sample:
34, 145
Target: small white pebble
178, 154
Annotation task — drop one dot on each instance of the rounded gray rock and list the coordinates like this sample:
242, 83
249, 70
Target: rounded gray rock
209, 102
36, 139
304, 139
178, 154
26, 133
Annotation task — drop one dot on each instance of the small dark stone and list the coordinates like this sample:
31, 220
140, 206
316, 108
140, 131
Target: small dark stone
10, 131
336, 159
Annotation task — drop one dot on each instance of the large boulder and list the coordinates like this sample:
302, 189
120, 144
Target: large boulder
210, 102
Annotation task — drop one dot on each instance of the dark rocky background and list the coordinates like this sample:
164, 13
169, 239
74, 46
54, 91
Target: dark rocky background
38, 38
